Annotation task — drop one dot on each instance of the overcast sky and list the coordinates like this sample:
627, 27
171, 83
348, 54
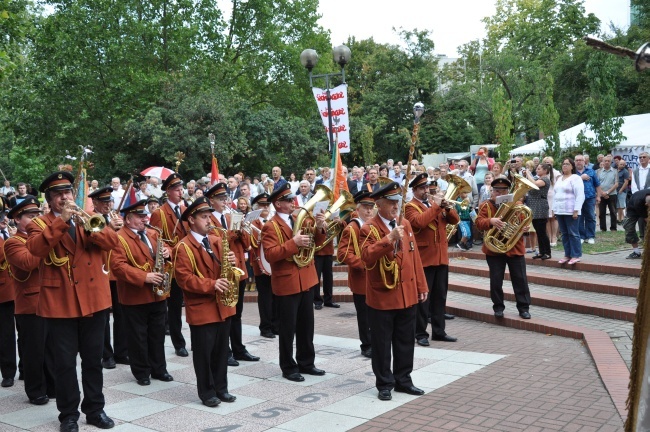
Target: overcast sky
452, 22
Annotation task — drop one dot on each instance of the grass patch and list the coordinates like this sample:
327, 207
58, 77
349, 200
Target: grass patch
610, 241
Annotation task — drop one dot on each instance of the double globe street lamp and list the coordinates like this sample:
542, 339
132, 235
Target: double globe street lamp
309, 59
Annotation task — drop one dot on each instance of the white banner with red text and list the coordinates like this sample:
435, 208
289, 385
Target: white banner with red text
339, 104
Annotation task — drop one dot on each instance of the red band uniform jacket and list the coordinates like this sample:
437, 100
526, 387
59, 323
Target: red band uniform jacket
238, 242
486, 212
106, 255
196, 273
165, 219
23, 269
411, 274
73, 283
286, 277
131, 260
7, 293
430, 229
349, 252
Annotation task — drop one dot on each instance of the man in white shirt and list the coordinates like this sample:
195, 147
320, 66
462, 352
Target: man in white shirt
640, 178
117, 193
153, 188
4, 190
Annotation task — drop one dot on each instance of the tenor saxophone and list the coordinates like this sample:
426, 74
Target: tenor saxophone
161, 266
229, 272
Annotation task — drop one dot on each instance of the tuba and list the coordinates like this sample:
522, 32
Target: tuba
346, 204
161, 266
229, 272
306, 254
457, 185
516, 217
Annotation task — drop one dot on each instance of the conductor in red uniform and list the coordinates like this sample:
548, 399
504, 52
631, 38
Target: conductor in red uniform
395, 283
197, 262
74, 300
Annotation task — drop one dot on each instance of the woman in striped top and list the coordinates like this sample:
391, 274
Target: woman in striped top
567, 202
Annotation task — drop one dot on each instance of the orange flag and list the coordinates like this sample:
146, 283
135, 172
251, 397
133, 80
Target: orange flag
340, 181
214, 173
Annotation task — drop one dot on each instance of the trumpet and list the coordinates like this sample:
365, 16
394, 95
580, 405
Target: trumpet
91, 223
114, 215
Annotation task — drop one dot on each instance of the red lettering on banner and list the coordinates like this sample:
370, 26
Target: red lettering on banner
343, 144
338, 112
338, 95
341, 128
321, 97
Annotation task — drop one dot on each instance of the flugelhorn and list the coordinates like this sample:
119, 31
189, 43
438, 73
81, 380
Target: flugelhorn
91, 223
306, 254
457, 185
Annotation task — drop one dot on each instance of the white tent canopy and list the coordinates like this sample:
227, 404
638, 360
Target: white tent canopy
635, 128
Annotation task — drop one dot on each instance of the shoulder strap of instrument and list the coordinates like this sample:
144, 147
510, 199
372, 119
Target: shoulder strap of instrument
146, 267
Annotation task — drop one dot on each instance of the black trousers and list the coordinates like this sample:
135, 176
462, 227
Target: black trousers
434, 306
38, 364
602, 213
517, 267
238, 347
267, 305
543, 241
393, 332
324, 269
362, 320
175, 315
8, 364
85, 336
146, 338
296, 312
121, 350
210, 357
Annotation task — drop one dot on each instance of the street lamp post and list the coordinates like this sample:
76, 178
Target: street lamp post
309, 59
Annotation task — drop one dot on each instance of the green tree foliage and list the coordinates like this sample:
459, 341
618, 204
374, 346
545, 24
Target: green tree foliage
502, 109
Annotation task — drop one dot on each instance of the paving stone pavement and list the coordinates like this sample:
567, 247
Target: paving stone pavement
494, 378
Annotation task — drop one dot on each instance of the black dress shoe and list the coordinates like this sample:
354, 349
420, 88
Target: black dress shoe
313, 371
412, 390
333, 305
7, 382
445, 338
269, 335
101, 421
182, 352
232, 361
246, 357
123, 360
538, 256
226, 397
545, 257
423, 342
384, 395
294, 377
524, 315
318, 307
69, 425
144, 381
41, 400
163, 377
212, 402
367, 353
498, 314
449, 316
108, 363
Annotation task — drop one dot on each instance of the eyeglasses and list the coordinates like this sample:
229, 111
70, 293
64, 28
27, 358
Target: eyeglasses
643, 157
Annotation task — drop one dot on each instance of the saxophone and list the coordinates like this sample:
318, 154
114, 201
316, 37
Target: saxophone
161, 266
228, 271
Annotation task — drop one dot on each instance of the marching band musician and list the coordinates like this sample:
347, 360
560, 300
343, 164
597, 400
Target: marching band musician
514, 258
238, 243
168, 219
132, 262
8, 364
292, 285
103, 204
323, 259
349, 252
198, 265
395, 283
74, 299
429, 220
37, 356
266, 302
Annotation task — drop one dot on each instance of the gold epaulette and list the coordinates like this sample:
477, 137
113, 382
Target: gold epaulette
146, 267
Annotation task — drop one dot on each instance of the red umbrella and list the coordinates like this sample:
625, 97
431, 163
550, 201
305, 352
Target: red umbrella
160, 172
